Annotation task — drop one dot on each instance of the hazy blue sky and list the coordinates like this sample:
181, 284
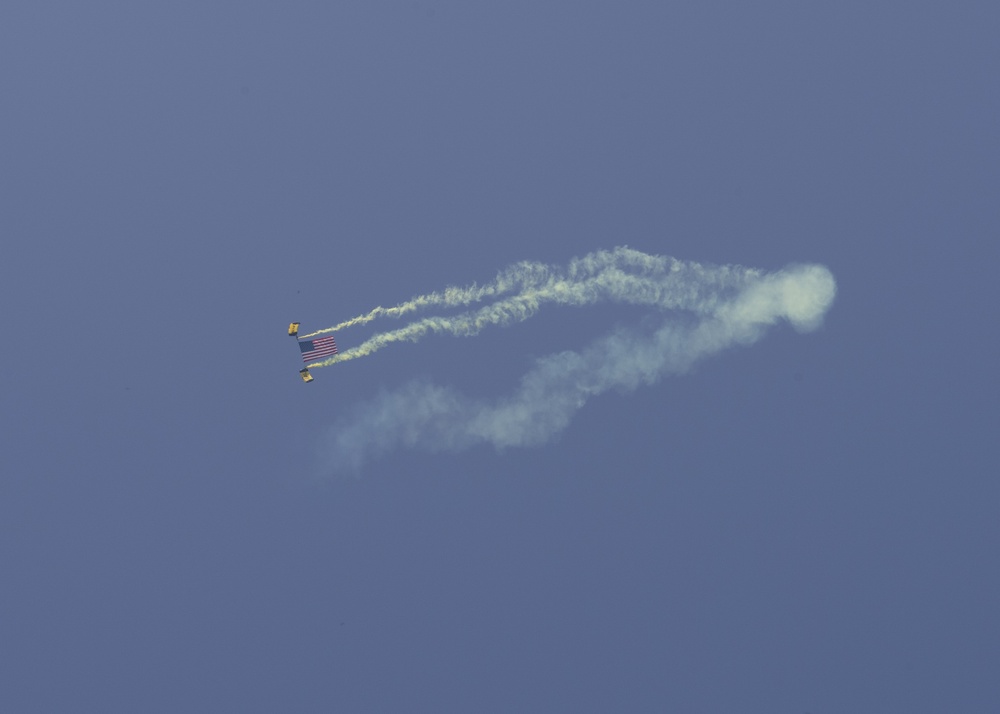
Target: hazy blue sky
807, 524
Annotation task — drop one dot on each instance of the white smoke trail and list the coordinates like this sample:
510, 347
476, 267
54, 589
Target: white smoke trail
523, 277
438, 418
602, 276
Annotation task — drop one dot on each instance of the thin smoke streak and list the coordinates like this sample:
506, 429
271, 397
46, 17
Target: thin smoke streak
523, 276
603, 276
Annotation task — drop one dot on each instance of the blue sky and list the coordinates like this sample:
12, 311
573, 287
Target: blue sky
807, 524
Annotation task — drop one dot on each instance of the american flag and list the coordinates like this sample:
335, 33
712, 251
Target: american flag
320, 347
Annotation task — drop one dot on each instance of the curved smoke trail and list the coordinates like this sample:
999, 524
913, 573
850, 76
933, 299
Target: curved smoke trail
621, 275
733, 305
526, 277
